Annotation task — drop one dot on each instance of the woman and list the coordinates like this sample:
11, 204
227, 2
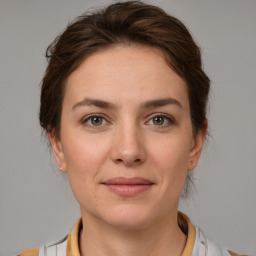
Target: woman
123, 102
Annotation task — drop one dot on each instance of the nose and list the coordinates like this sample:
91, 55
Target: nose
128, 146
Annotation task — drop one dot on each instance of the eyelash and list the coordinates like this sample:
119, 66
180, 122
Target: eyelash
88, 118
169, 119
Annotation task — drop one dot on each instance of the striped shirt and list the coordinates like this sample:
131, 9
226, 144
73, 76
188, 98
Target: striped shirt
196, 245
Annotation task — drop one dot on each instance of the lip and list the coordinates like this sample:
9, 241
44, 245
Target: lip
128, 187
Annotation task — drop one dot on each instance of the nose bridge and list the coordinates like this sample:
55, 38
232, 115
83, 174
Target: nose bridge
128, 145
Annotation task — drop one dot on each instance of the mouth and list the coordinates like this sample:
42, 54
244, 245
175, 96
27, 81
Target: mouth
128, 187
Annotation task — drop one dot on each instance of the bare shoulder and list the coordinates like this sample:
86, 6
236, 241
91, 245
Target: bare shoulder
30, 252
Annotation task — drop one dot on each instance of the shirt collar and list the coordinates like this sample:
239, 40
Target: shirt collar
184, 223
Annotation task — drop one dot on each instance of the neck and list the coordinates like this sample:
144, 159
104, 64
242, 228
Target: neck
162, 238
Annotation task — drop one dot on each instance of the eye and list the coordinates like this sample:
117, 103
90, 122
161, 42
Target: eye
161, 120
94, 120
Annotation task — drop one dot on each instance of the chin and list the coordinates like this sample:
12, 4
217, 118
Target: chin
129, 217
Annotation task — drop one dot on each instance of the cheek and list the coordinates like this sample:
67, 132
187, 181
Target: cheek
84, 153
171, 153
171, 158
84, 157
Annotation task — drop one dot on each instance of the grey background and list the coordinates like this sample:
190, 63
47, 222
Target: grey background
36, 204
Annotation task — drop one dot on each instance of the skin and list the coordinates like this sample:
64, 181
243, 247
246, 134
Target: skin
127, 141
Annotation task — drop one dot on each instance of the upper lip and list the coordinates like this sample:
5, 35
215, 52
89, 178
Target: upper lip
128, 181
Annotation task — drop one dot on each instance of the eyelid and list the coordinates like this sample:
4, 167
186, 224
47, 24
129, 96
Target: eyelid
170, 119
85, 119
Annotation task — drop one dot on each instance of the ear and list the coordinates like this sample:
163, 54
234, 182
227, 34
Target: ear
197, 147
58, 152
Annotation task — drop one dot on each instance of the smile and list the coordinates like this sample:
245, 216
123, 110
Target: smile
128, 187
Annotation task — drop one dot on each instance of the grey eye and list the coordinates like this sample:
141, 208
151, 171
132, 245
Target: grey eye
96, 120
161, 120
158, 120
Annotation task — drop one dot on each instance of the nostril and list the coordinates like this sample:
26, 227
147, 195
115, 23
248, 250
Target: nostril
120, 160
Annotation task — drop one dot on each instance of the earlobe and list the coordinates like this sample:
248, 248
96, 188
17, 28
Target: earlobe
196, 148
57, 151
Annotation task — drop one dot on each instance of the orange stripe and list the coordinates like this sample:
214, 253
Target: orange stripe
235, 254
30, 252
191, 235
73, 240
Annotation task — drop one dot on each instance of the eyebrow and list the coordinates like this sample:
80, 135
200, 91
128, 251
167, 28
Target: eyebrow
161, 103
108, 105
94, 102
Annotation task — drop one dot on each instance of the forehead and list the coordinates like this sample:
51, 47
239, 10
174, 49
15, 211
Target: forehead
125, 72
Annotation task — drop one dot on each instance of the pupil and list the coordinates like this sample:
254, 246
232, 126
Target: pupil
158, 120
96, 120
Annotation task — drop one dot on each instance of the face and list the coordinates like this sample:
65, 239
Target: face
126, 137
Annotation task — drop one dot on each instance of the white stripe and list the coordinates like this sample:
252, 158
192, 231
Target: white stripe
62, 248
41, 251
58, 249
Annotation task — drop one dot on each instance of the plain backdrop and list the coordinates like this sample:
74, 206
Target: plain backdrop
36, 204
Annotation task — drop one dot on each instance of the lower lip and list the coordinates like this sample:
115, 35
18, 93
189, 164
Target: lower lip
128, 190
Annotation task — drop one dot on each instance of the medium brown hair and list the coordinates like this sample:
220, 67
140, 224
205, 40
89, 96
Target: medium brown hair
122, 23
131, 22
